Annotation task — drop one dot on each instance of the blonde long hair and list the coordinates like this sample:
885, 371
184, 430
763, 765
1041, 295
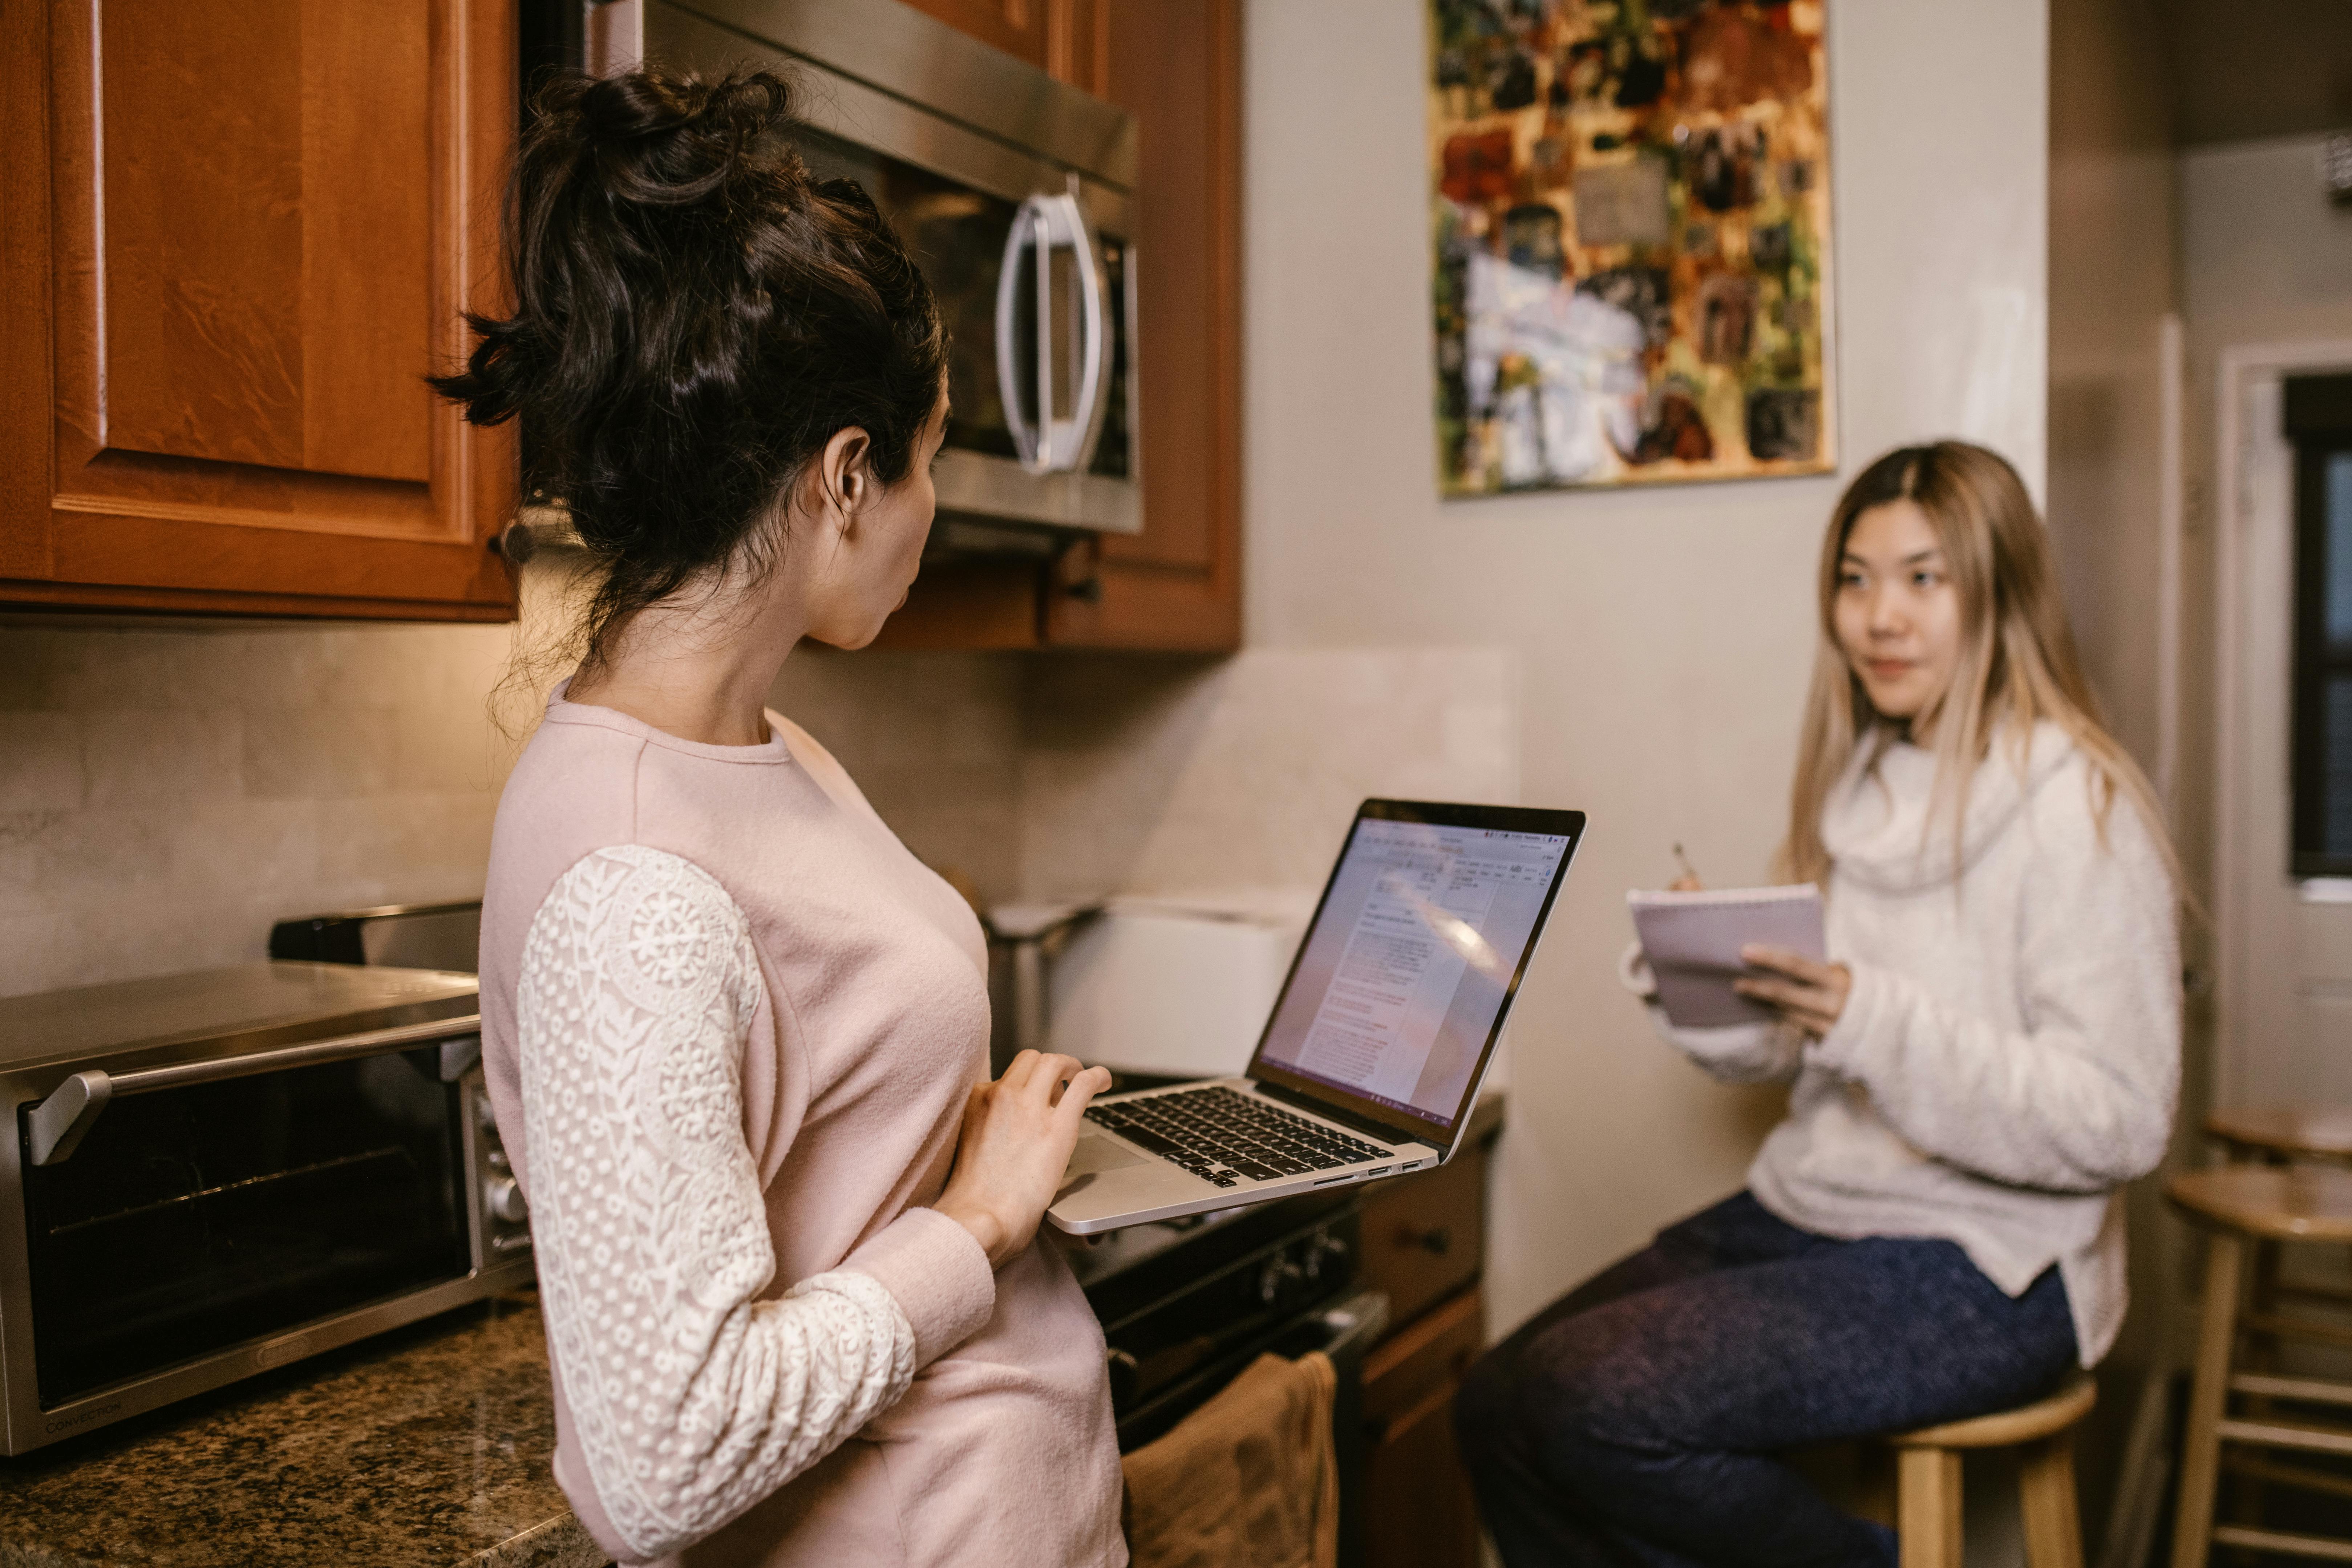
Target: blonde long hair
2016, 666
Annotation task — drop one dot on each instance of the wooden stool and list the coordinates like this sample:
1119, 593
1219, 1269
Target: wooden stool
2238, 1204
2277, 1134
1927, 1485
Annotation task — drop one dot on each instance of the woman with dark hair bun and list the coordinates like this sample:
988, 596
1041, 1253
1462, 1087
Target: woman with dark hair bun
736, 1036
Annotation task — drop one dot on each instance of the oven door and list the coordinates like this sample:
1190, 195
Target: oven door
192, 1219
1030, 257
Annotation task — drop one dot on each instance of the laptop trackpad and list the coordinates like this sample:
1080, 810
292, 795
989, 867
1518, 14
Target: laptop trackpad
1096, 1154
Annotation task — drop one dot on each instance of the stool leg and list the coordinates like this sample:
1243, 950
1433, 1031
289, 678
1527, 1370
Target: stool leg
1928, 1505
2201, 1457
2053, 1529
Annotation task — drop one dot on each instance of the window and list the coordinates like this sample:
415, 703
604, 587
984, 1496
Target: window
2320, 425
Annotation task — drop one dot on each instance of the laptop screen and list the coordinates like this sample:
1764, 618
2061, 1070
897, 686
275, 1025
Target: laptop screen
1399, 991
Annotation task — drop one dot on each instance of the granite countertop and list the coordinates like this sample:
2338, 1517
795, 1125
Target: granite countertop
428, 1446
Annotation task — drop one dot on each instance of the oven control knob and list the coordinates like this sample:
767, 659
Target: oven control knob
503, 1197
1276, 1278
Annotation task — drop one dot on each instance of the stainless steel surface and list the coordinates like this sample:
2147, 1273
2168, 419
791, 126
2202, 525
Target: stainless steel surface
213, 1012
29, 1426
441, 937
458, 1057
904, 128
505, 1199
72, 1108
149, 1034
57, 1125
899, 50
1357, 1323
998, 486
340, 1048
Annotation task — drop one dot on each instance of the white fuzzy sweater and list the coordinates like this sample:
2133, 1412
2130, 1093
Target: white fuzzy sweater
2010, 1054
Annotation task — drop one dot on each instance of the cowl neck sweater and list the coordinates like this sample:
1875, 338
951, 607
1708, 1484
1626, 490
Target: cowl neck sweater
2009, 1055
1887, 828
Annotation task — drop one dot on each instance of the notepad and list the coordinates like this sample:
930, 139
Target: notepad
1691, 943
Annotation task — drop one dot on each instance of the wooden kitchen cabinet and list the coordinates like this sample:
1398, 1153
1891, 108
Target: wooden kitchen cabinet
1066, 37
1175, 65
1424, 1241
235, 236
1419, 1511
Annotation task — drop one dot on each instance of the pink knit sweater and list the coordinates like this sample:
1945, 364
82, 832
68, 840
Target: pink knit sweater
730, 1024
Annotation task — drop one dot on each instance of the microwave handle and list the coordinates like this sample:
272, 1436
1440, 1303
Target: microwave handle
60, 1122
1026, 232
1073, 439
1047, 444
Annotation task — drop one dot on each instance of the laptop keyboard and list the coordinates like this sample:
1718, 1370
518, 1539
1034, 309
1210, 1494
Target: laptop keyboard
1223, 1136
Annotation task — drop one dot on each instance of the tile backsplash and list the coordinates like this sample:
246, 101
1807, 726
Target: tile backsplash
166, 793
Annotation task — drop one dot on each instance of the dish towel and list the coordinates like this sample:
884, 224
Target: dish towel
1248, 1480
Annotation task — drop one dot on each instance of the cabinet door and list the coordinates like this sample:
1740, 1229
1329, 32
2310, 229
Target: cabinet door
1068, 39
1016, 27
259, 224
1176, 66
1418, 1508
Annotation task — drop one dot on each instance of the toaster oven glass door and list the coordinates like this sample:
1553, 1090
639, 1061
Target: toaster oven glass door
193, 1219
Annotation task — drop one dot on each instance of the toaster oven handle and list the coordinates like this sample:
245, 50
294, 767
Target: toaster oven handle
60, 1122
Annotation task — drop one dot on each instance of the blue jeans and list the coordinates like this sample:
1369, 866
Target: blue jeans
1637, 1420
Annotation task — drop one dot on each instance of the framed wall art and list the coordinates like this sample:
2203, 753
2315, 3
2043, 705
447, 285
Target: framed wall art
1629, 205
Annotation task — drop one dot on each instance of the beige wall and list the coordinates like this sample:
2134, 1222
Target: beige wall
166, 794
1663, 636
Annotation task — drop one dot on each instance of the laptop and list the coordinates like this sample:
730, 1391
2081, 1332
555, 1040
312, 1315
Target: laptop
1373, 1058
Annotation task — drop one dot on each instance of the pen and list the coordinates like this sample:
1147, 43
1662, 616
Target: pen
1684, 862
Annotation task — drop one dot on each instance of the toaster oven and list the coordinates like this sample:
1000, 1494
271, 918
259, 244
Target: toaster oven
216, 1173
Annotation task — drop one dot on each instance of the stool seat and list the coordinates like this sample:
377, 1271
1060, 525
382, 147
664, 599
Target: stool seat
2006, 1428
2283, 1203
1928, 1479
2305, 1132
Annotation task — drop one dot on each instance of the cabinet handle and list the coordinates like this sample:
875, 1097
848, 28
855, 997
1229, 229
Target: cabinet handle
1438, 1240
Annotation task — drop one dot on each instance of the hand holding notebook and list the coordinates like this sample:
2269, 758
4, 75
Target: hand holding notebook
1692, 941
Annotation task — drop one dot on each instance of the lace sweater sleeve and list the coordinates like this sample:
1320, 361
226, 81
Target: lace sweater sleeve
692, 1398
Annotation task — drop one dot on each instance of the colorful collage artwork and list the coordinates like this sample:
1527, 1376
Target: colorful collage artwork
1631, 218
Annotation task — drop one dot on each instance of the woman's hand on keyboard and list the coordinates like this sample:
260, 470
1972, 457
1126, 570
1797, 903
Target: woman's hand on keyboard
1017, 1137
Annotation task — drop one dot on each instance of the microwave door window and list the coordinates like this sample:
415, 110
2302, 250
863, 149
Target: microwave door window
956, 236
195, 1218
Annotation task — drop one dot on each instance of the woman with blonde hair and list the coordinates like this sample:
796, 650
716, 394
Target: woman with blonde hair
1935, 1231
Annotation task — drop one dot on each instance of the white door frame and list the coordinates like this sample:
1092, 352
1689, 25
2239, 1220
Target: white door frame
2236, 538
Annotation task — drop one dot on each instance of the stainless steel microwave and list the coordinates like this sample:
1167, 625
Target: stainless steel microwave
1016, 193
216, 1173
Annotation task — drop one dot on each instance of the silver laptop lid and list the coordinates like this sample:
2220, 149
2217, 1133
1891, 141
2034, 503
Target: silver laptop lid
1400, 988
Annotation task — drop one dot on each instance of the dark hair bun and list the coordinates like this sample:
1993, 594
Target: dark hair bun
694, 318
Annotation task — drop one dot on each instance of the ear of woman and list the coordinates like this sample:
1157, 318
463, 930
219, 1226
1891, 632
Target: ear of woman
861, 541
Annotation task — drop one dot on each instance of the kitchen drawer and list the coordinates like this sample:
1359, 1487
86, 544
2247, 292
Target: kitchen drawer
1425, 1236
1419, 1511
1403, 1372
